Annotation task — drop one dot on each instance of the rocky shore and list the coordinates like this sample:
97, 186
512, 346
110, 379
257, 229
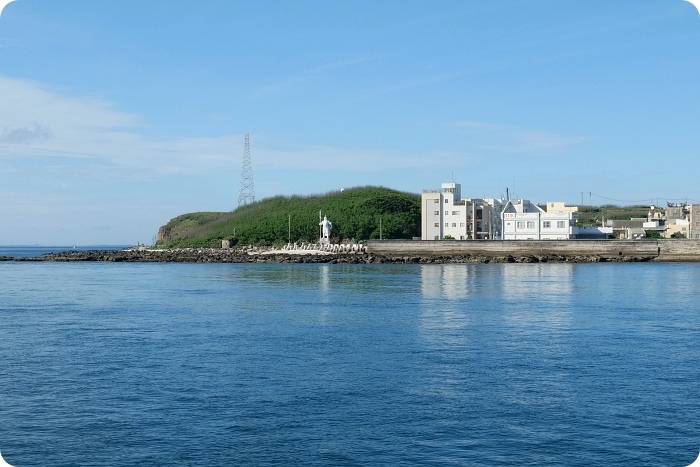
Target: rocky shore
212, 255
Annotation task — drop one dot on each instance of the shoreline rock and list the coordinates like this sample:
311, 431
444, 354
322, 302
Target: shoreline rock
244, 255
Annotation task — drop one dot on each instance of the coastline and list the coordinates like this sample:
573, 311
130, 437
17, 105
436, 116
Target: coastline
245, 255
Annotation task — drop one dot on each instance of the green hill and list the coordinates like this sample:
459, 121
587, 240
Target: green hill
595, 215
355, 214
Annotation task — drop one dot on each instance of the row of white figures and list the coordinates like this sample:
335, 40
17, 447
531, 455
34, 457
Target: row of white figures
333, 248
344, 248
303, 246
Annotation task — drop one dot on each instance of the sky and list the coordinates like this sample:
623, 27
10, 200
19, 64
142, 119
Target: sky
117, 116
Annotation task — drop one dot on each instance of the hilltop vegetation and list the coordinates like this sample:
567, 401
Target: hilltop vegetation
595, 215
355, 214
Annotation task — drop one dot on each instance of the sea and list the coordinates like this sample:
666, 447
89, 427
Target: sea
171, 364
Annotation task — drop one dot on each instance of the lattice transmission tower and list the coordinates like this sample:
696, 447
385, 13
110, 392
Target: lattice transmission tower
247, 193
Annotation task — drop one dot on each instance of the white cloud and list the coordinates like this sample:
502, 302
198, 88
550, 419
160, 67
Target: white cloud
48, 124
37, 121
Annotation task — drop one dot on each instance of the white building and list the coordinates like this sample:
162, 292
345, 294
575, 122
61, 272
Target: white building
444, 214
523, 220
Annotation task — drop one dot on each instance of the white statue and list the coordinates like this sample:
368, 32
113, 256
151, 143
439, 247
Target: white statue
326, 227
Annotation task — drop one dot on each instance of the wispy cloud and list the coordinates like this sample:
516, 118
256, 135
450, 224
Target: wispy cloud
514, 140
37, 121
91, 137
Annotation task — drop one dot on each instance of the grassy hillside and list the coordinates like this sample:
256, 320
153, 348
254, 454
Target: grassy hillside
355, 214
594, 215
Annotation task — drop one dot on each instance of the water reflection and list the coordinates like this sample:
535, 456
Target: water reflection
537, 293
443, 316
448, 280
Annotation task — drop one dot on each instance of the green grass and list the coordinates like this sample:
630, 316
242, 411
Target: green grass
594, 215
355, 214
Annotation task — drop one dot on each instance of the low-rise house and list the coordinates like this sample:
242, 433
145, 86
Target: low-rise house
677, 228
523, 220
632, 229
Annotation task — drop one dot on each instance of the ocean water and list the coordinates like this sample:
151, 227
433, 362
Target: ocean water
265, 364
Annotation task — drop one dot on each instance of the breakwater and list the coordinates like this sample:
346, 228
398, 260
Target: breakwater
406, 251
563, 250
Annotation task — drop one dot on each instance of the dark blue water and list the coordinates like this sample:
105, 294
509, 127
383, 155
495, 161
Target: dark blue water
32, 251
220, 364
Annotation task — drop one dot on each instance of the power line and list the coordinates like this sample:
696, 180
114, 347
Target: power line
644, 200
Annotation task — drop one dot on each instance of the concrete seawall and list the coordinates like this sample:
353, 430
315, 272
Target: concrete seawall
650, 250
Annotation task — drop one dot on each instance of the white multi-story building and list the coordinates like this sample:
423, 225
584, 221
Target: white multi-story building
444, 214
523, 220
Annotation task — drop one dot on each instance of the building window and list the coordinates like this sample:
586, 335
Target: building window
461, 224
530, 224
436, 200
455, 213
520, 225
454, 224
461, 237
437, 237
437, 213
447, 224
447, 213
437, 224
447, 200
546, 225
561, 224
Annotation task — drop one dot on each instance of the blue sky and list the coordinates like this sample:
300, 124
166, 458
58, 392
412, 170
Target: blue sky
117, 116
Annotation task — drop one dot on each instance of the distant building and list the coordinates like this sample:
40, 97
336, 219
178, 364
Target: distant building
444, 214
677, 228
632, 229
677, 223
694, 220
523, 220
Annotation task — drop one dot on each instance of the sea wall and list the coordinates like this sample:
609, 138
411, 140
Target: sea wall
407, 251
650, 250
